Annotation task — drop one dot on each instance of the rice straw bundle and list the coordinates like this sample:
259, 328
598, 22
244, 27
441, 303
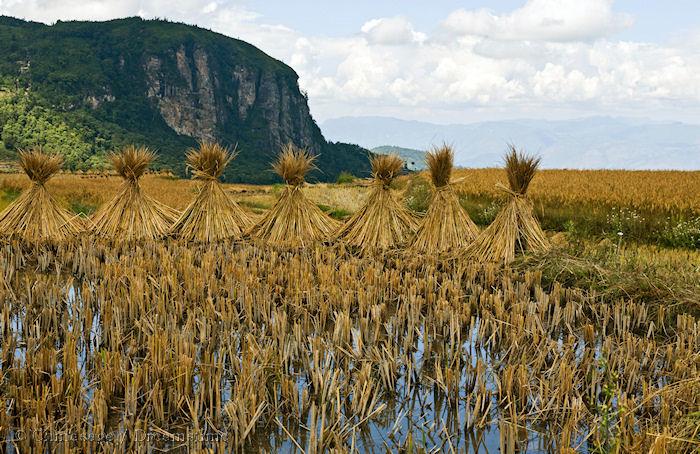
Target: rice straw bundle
213, 215
131, 214
35, 216
383, 222
446, 226
515, 228
294, 221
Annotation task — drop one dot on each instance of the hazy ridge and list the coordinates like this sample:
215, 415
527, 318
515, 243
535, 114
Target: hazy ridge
591, 143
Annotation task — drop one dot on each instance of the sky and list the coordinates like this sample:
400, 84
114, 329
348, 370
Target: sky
448, 61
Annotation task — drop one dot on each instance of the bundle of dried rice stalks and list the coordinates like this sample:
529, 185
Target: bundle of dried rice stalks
383, 222
213, 215
446, 226
515, 228
294, 221
35, 216
131, 214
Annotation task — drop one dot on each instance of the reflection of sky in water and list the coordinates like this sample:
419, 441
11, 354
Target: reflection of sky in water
420, 410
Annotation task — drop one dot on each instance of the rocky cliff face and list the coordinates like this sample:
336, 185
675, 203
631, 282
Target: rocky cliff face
194, 103
167, 86
189, 107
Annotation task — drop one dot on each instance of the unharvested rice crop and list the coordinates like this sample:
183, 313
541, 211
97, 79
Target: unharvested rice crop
669, 191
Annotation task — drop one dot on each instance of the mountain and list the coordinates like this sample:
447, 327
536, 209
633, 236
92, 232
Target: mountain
596, 142
414, 159
86, 88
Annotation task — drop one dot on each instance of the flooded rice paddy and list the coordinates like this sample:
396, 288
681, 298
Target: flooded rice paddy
239, 348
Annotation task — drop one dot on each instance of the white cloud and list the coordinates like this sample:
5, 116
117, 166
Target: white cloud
542, 59
51, 11
391, 30
546, 20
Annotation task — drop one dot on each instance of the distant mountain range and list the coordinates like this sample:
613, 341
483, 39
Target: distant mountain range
414, 159
592, 143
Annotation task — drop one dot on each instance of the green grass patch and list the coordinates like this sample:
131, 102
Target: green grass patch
83, 202
8, 193
345, 178
418, 194
616, 271
254, 205
336, 213
590, 221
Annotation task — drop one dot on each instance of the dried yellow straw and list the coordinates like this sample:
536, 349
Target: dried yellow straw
294, 221
133, 215
35, 216
515, 228
446, 226
213, 215
383, 222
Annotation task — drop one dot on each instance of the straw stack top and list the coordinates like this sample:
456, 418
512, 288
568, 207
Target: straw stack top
521, 169
385, 168
440, 162
132, 161
209, 160
39, 165
293, 164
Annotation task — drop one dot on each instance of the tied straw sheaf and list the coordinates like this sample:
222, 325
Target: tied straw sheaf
383, 222
446, 226
294, 220
35, 216
515, 228
213, 215
132, 215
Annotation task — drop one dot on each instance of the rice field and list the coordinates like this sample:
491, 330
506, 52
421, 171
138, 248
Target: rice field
242, 346
237, 347
671, 191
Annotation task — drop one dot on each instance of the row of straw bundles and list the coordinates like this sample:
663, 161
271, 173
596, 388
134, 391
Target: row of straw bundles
294, 221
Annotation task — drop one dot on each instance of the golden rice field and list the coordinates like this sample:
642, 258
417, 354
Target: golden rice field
239, 346
673, 191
